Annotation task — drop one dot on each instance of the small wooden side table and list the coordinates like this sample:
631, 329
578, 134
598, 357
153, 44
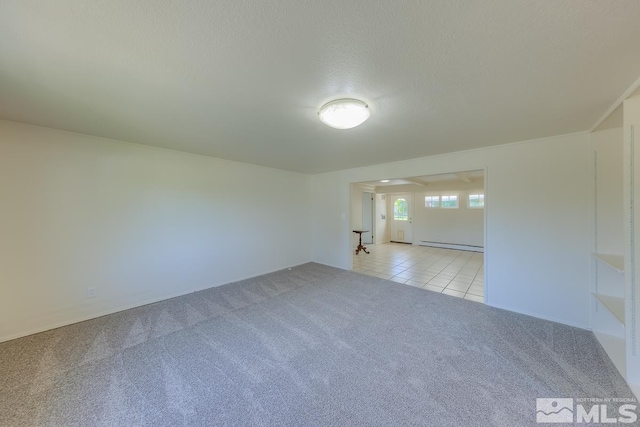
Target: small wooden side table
360, 247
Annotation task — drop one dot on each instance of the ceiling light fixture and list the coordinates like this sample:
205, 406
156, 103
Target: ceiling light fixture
344, 113
384, 180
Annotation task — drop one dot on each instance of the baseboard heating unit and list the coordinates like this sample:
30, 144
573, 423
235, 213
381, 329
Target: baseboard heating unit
458, 246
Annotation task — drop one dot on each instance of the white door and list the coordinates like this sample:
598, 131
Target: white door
401, 218
367, 217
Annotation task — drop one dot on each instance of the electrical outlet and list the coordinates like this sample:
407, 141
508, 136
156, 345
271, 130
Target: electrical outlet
91, 292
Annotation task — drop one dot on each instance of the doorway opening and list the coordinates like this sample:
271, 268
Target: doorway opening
368, 216
425, 231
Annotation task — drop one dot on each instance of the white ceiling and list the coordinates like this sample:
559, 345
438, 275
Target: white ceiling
243, 80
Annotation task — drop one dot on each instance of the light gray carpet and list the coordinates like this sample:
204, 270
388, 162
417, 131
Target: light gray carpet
311, 346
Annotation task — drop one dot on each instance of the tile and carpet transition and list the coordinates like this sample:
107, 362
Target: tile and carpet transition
309, 346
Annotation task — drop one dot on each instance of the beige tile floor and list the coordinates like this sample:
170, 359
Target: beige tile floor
451, 272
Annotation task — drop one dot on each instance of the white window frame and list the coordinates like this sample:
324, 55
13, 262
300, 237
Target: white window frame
448, 195
477, 193
432, 196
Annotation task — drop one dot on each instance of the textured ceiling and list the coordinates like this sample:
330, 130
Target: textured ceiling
243, 80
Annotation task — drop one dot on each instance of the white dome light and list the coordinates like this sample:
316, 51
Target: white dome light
344, 113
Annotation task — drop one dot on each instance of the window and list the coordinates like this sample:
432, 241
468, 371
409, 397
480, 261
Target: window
450, 201
432, 201
476, 201
401, 210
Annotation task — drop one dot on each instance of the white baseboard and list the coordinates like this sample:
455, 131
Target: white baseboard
331, 265
539, 316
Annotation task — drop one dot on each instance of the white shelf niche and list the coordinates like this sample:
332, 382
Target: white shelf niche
614, 304
613, 261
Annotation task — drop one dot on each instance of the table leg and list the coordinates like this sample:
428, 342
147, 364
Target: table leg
360, 247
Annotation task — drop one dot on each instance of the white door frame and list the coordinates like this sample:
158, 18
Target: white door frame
390, 197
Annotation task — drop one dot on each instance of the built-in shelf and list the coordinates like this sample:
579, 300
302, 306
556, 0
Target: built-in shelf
614, 261
614, 304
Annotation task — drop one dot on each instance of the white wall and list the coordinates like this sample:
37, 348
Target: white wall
462, 226
138, 223
539, 212
607, 145
356, 206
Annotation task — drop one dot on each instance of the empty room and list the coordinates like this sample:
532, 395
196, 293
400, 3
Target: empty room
293, 213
